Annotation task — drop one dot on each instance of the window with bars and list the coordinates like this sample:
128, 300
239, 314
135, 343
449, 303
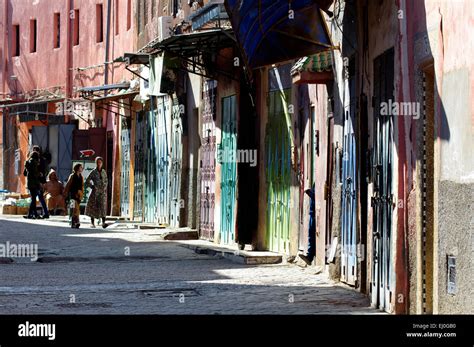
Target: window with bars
145, 12
117, 16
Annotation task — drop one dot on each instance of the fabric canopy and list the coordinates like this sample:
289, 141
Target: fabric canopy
273, 31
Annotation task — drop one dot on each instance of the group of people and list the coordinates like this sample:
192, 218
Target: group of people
96, 208
56, 194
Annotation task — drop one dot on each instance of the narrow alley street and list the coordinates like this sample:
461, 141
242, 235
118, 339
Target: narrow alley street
131, 271
175, 169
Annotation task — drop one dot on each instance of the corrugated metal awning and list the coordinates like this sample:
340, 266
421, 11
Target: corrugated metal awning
104, 87
126, 95
34, 102
90, 92
193, 51
195, 43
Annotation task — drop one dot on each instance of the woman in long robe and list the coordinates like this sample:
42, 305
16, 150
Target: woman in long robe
96, 207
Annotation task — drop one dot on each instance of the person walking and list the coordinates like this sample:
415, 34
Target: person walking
75, 191
96, 207
308, 258
33, 176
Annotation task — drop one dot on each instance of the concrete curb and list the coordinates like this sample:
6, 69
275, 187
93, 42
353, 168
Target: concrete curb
241, 257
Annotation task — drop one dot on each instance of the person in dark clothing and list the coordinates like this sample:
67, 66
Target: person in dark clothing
75, 191
43, 162
308, 258
33, 176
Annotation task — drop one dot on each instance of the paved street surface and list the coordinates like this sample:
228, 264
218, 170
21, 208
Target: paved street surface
129, 271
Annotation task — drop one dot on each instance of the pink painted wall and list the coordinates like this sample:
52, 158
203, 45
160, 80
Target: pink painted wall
438, 30
46, 68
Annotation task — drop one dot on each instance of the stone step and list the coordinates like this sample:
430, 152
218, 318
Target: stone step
181, 235
238, 256
147, 226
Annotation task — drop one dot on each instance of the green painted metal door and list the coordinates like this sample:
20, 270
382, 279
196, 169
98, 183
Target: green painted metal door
227, 156
278, 173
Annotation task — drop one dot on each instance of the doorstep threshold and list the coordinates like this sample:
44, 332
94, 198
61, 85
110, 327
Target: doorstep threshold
238, 256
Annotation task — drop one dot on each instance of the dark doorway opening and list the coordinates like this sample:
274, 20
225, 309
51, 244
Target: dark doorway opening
110, 161
248, 135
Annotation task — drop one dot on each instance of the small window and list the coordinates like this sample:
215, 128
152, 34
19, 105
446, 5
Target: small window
153, 8
129, 14
145, 12
16, 41
76, 28
139, 16
57, 30
451, 275
174, 7
99, 23
33, 36
117, 17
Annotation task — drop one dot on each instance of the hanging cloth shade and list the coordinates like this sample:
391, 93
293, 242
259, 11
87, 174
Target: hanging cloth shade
273, 31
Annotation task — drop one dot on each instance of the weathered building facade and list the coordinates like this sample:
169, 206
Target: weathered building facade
371, 137
206, 123
57, 73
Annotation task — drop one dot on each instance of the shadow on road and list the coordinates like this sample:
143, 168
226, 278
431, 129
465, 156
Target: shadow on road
128, 272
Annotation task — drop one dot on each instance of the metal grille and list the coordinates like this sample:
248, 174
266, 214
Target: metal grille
349, 189
125, 171
176, 164
208, 160
382, 198
162, 180
140, 162
151, 162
